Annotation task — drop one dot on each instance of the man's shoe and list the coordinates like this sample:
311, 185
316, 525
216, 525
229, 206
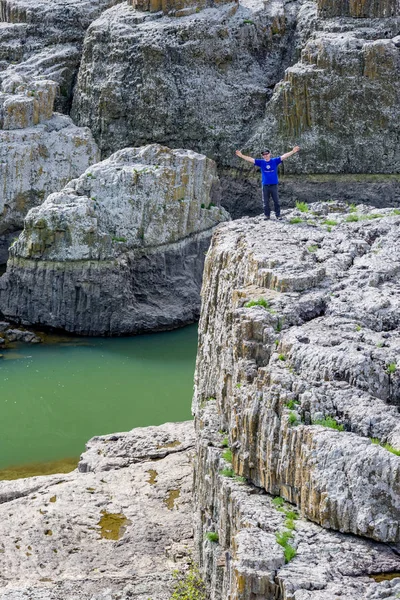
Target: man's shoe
266, 219
279, 218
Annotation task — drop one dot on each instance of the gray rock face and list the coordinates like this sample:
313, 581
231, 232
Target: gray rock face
247, 562
37, 159
203, 78
347, 70
43, 40
121, 249
136, 62
303, 385
113, 534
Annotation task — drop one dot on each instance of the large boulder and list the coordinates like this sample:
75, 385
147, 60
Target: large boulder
120, 249
298, 374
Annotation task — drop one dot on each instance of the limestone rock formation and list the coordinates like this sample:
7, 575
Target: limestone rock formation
297, 371
339, 69
341, 103
120, 249
37, 159
113, 534
200, 81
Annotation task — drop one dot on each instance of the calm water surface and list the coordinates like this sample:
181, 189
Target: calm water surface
54, 397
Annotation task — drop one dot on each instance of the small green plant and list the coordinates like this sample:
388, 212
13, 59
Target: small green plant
329, 422
227, 455
279, 325
289, 552
228, 473
238, 385
118, 239
225, 442
386, 446
189, 585
302, 207
380, 344
292, 404
391, 368
391, 449
282, 537
260, 302
278, 502
295, 220
329, 229
351, 218
293, 419
240, 479
212, 536
375, 216
358, 327
276, 342
331, 222
89, 175
248, 22
281, 357
202, 205
396, 211
352, 208
292, 515
312, 248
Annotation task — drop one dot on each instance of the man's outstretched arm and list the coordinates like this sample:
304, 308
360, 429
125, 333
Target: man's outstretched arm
248, 158
295, 149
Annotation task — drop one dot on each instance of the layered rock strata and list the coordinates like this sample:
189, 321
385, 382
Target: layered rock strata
37, 158
204, 78
348, 69
297, 372
136, 61
120, 249
116, 532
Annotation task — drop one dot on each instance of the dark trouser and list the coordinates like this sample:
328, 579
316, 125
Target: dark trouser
271, 190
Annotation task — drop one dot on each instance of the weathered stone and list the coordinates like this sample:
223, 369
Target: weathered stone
358, 8
121, 249
36, 161
322, 102
247, 563
56, 542
203, 78
177, 8
320, 350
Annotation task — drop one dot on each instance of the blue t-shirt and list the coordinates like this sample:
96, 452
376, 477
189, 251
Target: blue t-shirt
269, 169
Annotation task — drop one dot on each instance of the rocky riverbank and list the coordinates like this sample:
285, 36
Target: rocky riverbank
114, 529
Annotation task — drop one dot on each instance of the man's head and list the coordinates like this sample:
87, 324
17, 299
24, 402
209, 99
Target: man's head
266, 154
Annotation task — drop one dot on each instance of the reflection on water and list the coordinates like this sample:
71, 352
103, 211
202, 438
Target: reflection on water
55, 396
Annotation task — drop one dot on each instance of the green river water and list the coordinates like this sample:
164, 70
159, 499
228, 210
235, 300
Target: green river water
55, 396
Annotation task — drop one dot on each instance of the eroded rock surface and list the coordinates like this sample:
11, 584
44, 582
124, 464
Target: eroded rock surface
119, 250
319, 346
112, 535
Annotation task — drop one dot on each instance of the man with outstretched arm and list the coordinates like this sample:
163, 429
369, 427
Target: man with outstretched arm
269, 177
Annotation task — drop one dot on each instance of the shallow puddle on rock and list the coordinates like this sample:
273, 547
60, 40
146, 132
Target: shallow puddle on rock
152, 480
113, 525
173, 444
65, 465
170, 499
385, 576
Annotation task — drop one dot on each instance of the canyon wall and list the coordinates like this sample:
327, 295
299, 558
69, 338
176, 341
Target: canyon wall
297, 395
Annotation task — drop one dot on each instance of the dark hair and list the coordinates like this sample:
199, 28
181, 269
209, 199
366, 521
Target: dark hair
265, 152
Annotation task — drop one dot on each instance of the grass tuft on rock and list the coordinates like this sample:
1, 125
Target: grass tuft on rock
212, 536
329, 422
302, 207
260, 302
352, 218
228, 473
295, 220
189, 585
227, 455
385, 446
